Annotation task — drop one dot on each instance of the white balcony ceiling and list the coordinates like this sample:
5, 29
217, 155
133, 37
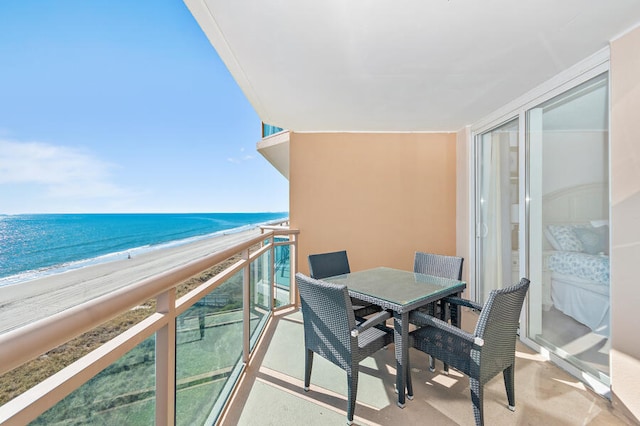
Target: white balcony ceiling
382, 65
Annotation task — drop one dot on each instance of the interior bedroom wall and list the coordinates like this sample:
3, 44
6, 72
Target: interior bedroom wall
625, 221
574, 158
379, 196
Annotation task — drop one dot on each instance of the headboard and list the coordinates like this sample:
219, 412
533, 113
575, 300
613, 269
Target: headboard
576, 204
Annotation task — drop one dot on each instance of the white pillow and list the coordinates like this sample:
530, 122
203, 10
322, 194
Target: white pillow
566, 238
594, 240
552, 241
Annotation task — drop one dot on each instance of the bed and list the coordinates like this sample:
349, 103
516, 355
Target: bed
576, 232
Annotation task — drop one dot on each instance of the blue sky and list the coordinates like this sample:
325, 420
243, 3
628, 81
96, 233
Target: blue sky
123, 106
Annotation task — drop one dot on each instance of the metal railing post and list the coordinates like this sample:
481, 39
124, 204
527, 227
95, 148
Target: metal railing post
272, 274
246, 305
293, 262
166, 360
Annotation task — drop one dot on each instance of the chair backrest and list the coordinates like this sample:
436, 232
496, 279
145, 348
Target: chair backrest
323, 265
498, 324
438, 265
328, 319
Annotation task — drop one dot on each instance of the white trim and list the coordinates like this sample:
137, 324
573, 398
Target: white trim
624, 33
573, 76
419, 132
523, 199
471, 218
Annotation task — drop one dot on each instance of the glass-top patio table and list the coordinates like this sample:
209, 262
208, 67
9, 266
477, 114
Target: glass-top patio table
401, 292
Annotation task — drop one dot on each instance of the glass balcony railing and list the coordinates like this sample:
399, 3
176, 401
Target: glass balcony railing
123, 393
178, 365
282, 271
208, 347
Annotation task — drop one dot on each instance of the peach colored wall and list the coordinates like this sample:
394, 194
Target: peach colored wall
625, 220
379, 196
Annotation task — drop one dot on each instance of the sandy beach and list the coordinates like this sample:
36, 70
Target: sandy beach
24, 303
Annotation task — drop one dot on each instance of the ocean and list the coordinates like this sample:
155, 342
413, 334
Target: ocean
32, 246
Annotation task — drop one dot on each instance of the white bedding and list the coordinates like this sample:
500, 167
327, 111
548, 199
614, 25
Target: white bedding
580, 273
576, 231
592, 268
586, 301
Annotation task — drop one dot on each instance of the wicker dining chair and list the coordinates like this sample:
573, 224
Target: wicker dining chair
323, 265
483, 354
331, 331
440, 266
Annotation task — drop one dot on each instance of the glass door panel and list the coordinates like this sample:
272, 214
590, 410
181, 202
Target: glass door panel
568, 180
497, 209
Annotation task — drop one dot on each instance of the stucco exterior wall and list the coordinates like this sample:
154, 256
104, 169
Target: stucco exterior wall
625, 220
379, 196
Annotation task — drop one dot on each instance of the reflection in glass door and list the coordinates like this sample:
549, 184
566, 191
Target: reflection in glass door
497, 209
567, 141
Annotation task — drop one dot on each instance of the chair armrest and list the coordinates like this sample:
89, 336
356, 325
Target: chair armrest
463, 302
429, 321
376, 319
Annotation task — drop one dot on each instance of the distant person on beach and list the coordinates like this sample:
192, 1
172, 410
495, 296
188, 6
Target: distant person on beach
128, 255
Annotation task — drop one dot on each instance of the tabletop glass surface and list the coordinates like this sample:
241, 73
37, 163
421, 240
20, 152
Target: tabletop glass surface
397, 286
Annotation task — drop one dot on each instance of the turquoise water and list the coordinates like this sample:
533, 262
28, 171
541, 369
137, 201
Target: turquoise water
35, 245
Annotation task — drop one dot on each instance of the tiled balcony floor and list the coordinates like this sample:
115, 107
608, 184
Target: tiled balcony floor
272, 394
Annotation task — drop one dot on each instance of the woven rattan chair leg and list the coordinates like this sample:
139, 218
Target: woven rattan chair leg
308, 363
352, 382
476, 400
508, 374
408, 381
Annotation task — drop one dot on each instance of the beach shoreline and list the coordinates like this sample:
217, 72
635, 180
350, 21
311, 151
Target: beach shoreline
26, 302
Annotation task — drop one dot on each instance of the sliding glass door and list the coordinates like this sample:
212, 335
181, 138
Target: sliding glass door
567, 140
551, 189
497, 208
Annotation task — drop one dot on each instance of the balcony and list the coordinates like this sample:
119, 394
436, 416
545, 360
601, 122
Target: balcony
268, 130
274, 147
230, 351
